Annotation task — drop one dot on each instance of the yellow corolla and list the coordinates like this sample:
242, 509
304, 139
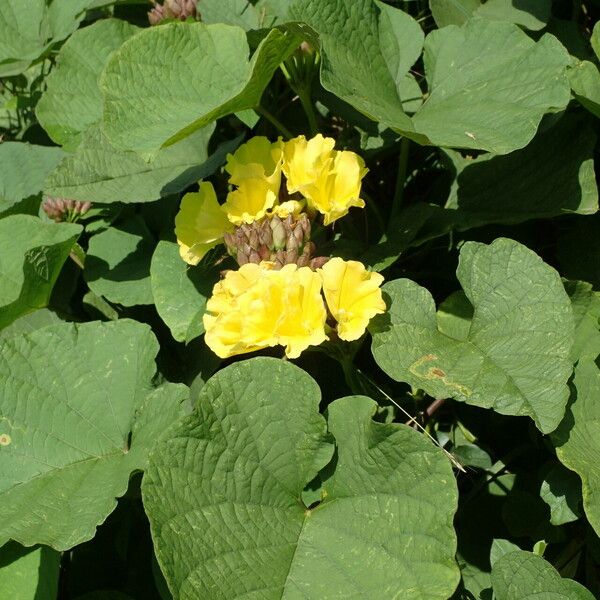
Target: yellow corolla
257, 307
249, 202
330, 180
258, 158
337, 188
304, 160
353, 295
200, 224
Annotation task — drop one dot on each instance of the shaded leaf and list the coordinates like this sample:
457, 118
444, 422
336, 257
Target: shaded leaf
521, 575
117, 264
166, 82
539, 181
72, 397
561, 491
28, 573
586, 309
32, 254
72, 100
180, 292
98, 172
585, 83
516, 358
23, 170
232, 474
577, 440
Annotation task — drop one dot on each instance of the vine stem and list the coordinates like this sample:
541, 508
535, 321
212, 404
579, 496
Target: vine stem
310, 112
261, 110
401, 178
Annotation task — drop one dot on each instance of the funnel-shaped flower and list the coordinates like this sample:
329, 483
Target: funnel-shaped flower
257, 307
353, 296
250, 201
304, 160
200, 224
258, 158
337, 188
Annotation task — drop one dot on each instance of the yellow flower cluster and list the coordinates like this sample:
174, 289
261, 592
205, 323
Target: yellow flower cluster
257, 307
324, 181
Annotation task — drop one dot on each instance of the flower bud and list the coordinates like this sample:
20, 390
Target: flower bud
279, 233
61, 209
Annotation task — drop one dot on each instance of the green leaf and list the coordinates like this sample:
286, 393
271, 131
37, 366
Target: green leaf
167, 82
117, 265
452, 12
231, 476
32, 321
577, 440
585, 83
28, 573
521, 575
489, 85
72, 396
23, 170
180, 292
72, 100
98, 172
353, 64
586, 309
32, 254
539, 181
531, 14
516, 358
231, 12
561, 491
28, 30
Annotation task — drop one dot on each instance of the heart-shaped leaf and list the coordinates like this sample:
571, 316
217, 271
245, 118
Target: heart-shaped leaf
224, 496
516, 358
72, 100
32, 254
521, 575
71, 397
168, 81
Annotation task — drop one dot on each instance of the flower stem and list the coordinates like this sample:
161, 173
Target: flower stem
269, 116
401, 178
310, 111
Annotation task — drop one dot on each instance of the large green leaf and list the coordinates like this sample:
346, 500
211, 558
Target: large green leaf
117, 265
232, 12
516, 358
531, 14
521, 575
223, 494
168, 81
586, 309
32, 254
353, 65
539, 181
23, 170
180, 291
100, 173
72, 100
585, 83
28, 573
577, 440
489, 85
28, 29
71, 398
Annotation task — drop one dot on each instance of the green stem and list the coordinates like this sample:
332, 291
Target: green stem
309, 110
261, 110
401, 179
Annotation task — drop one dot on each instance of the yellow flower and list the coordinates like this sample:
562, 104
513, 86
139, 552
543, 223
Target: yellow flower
258, 158
303, 161
353, 296
330, 180
250, 201
337, 187
257, 307
290, 207
200, 224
